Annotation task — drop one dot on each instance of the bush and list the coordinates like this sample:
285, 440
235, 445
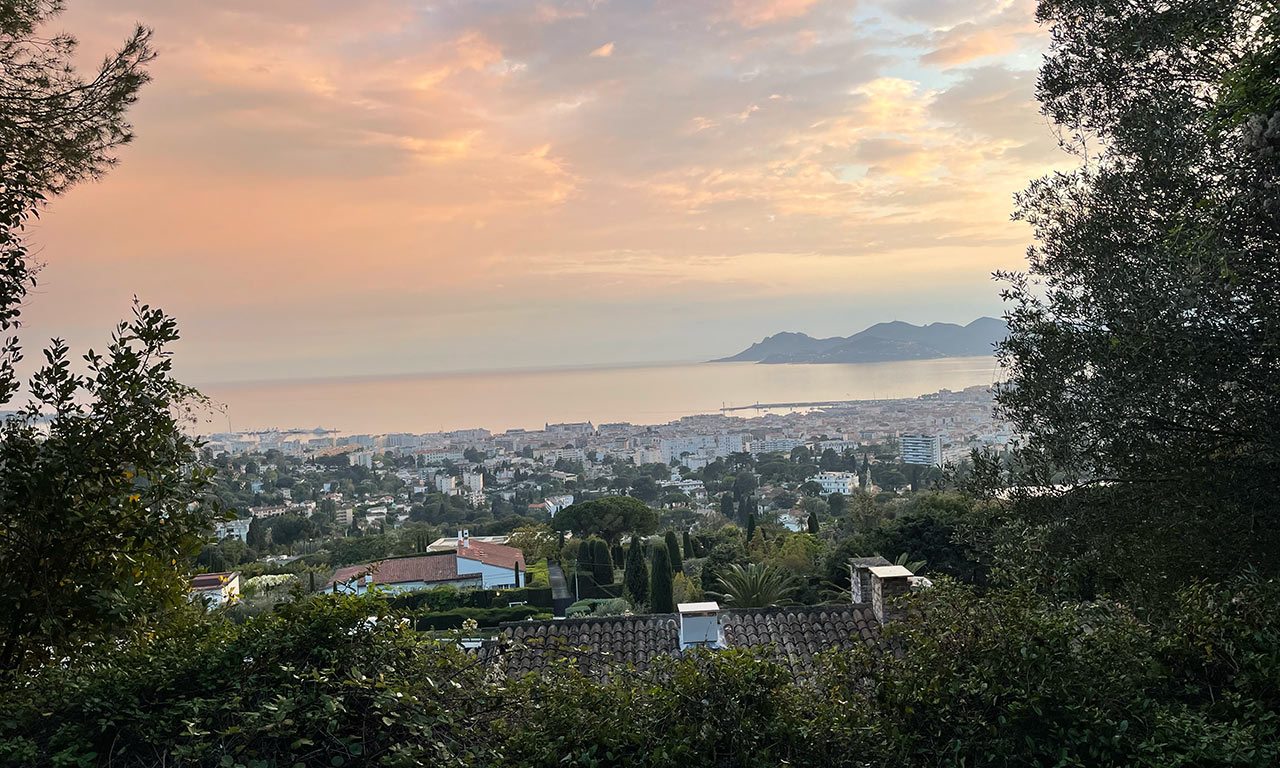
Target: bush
440, 599
484, 617
324, 681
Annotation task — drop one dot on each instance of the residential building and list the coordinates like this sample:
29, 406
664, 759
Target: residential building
404, 574
497, 564
216, 588
556, 503
921, 449
836, 482
361, 459
232, 529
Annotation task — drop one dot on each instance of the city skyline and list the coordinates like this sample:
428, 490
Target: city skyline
320, 190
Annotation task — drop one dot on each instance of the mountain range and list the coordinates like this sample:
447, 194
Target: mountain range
882, 342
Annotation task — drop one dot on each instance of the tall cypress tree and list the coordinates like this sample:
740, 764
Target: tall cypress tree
661, 594
586, 557
673, 552
601, 562
635, 580
688, 546
726, 506
751, 527
813, 521
256, 538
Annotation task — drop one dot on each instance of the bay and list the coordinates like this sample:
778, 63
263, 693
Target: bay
501, 400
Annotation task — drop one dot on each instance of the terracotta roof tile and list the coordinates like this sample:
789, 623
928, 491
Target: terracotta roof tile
487, 552
427, 568
793, 636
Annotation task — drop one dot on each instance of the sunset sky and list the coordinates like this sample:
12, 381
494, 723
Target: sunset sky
337, 188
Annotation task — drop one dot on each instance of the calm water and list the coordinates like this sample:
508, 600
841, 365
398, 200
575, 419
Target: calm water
526, 399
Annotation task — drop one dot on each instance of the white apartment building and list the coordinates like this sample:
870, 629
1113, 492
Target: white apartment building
921, 449
672, 448
232, 529
837, 482
361, 459
775, 444
474, 481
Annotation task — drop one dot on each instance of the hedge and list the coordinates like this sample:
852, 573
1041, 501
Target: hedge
441, 599
484, 617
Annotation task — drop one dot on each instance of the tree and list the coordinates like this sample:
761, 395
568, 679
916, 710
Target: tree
537, 542
837, 503
609, 517
673, 552
601, 562
660, 583
256, 537
1142, 337
55, 124
586, 557
811, 488
688, 545
726, 506
813, 522
755, 586
107, 493
645, 488
751, 526
635, 579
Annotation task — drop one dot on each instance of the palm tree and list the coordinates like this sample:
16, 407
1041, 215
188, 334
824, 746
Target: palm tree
915, 566
756, 586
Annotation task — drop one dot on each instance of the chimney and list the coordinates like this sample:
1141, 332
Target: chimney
466, 538
700, 625
459, 537
888, 582
860, 577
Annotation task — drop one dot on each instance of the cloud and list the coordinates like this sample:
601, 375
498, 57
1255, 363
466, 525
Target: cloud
315, 161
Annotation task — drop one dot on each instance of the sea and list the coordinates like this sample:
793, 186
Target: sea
528, 399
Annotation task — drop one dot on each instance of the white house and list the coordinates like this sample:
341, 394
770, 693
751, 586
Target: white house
403, 574
497, 564
837, 482
232, 529
216, 588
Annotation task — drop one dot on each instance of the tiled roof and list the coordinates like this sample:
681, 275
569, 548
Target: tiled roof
204, 581
791, 635
594, 644
428, 568
487, 552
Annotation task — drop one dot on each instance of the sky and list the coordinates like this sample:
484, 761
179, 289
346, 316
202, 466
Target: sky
327, 188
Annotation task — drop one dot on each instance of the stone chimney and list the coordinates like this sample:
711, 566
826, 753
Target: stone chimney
860, 577
888, 582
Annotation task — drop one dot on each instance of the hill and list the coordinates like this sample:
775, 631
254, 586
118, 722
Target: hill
882, 342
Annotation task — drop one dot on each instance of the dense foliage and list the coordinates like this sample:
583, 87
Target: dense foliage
1007, 678
1145, 336
101, 500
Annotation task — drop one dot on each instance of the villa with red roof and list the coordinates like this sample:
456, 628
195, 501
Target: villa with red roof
473, 565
